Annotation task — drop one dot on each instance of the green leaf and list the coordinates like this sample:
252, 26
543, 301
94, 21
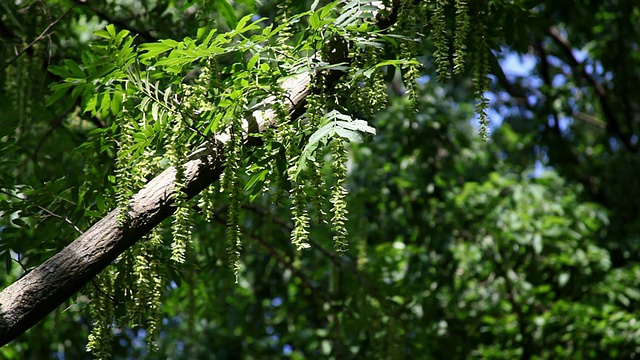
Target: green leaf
323, 132
228, 13
259, 176
100, 203
314, 21
350, 135
252, 62
347, 18
357, 125
61, 71
111, 30
102, 33
116, 103
154, 49
144, 103
240, 26
121, 35
336, 123
91, 104
59, 91
74, 68
207, 40
105, 105
154, 111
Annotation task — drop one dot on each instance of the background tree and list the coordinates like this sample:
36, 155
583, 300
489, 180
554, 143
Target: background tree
457, 248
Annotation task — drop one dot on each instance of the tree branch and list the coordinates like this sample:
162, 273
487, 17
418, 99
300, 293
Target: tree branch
515, 91
43, 35
601, 93
31, 298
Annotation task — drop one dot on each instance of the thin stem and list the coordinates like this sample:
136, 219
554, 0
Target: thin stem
49, 212
43, 35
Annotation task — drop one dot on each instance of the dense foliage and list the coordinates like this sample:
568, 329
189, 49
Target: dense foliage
376, 225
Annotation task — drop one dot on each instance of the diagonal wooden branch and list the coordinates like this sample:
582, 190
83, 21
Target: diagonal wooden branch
30, 299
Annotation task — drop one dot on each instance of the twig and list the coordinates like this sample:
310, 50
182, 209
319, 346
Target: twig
514, 91
110, 297
589, 119
348, 266
49, 212
546, 77
18, 259
281, 260
600, 91
39, 38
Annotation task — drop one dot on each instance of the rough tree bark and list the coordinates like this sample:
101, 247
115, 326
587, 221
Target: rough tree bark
34, 296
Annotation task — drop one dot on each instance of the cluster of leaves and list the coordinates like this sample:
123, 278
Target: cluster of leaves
160, 114
485, 260
451, 259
